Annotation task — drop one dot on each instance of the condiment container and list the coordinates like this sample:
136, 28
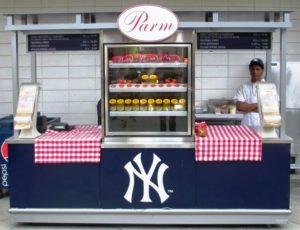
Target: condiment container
158, 104
151, 104
128, 106
153, 78
145, 78
135, 104
166, 105
143, 105
174, 103
202, 129
182, 104
112, 104
120, 105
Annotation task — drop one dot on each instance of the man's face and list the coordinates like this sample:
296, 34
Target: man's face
256, 73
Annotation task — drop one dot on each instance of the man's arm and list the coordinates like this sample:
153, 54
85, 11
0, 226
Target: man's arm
245, 107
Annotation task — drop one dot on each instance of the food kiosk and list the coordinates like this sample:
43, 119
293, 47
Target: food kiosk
145, 165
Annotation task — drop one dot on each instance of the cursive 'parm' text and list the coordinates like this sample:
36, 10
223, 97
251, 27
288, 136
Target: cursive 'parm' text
139, 21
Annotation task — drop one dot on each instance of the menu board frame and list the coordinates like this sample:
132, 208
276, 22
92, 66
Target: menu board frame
234, 40
63, 42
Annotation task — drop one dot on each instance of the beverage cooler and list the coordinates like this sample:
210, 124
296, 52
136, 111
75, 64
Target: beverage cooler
148, 92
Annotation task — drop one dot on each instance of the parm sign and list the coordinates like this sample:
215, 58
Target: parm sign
148, 23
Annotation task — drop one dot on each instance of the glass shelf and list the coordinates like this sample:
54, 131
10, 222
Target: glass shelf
148, 65
148, 113
160, 88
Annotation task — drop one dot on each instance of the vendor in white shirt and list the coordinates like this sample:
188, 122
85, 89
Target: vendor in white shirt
246, 95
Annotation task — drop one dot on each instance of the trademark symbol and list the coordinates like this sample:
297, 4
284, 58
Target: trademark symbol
170, 191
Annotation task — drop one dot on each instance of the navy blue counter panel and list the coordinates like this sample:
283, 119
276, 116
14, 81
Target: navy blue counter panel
50, 185
261, 185
6, 131
175, 180
175, 167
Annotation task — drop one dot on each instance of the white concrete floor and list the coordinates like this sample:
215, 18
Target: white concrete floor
294, 222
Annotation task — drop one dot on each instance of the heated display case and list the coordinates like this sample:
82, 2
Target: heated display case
148, 91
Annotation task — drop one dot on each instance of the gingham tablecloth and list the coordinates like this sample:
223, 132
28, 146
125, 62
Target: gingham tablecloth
80, 145
229, 143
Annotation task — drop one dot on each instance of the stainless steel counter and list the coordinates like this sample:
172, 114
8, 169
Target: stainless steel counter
15, 140
163, 145
281, 140
219, 116
219, 119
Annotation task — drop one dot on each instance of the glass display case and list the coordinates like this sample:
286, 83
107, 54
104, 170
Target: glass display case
147, 90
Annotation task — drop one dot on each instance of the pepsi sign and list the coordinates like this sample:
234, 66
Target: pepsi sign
4, 151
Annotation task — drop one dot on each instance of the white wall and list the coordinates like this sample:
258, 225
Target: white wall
5, 71
71, 80
220, 73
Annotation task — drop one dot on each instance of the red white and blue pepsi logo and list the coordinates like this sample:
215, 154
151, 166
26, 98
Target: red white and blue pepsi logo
4, 151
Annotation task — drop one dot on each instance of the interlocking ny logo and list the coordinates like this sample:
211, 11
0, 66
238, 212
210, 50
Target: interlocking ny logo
146, 178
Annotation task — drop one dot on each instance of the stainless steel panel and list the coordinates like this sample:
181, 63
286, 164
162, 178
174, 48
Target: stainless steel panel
292, 102
292, 82
15, 140
293, 130
151, 216
161, 134
156, 143
15, 71
280, 140
283, 82
238, 117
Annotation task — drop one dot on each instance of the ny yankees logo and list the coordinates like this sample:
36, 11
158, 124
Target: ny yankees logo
146, 178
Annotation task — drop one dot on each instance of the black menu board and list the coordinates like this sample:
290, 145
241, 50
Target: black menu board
62, 42
226, 40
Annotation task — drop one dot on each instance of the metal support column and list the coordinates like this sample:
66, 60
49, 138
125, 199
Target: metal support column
33, 68
102, 81
283, 48
268, 64
15, 71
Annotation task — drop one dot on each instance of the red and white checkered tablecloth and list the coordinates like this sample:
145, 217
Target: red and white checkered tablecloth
80, 145
229, 143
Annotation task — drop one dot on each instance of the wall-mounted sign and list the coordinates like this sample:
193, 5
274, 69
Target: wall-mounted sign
227, 40
148, 23
62, 42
